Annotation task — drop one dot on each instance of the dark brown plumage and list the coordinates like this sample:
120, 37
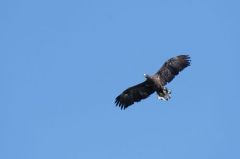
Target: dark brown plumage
166, 74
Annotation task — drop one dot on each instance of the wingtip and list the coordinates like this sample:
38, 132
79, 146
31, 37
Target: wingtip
187, 58
121, 105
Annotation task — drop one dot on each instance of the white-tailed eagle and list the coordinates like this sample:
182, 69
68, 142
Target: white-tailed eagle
167, 72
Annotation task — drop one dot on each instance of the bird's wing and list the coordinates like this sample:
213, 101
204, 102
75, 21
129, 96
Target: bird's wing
134, 94
172, 67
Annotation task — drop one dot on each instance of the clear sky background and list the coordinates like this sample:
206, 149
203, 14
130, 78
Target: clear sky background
62, 64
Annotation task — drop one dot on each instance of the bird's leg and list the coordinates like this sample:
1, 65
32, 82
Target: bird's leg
161, 95
169, 91
168, 94
161, 98
165, 95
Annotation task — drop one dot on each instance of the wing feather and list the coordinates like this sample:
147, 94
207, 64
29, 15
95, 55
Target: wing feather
172, 67
134, 94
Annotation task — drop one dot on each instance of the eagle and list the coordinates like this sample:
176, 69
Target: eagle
155, 83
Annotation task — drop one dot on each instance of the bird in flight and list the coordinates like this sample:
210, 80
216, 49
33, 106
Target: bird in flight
155, 83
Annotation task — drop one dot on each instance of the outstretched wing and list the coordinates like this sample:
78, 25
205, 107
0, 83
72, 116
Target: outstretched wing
172, 67
134, 94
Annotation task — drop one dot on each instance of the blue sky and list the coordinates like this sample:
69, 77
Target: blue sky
63, 62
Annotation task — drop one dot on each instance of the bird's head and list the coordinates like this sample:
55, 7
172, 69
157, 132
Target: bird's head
146, 76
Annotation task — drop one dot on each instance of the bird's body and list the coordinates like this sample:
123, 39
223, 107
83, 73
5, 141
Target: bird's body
153, 83
162, 92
